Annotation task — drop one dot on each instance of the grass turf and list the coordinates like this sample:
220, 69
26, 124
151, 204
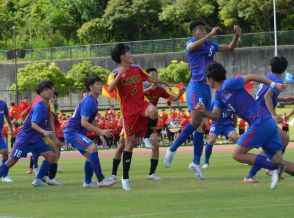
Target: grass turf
178, 194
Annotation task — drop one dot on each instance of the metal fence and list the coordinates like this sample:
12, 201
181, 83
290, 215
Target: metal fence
148, 46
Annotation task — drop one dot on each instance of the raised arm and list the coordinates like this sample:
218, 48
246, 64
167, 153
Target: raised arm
156, 80
261, 79
268, 98
233, 43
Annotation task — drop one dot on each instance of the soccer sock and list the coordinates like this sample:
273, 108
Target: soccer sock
115, 164
261, 162
127, 158
35, 161
52, 171
183, 136
3, 170
208, 151
254, 169
153, 166
45, 167
88, 172
198, 146
6, 173
95, 164
150, 127
31, 162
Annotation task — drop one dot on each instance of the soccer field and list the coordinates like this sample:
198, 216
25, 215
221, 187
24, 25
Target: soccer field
178, 194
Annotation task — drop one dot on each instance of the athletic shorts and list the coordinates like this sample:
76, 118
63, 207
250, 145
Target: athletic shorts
221, 130
21, 150
197, 92
3, 145
79, 141
265, 135
137, 123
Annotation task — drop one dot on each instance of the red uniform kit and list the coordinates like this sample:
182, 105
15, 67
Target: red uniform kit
131, 97
154, 95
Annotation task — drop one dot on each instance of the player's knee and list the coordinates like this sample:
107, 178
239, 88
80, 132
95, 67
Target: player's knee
236, 156
51, 157
235, 138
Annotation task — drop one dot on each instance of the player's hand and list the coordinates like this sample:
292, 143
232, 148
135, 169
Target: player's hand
153, 86
278, 119
57, 142
121, 71
106, 132
47, 133
237, 30
201, 107
281, 87
214, 30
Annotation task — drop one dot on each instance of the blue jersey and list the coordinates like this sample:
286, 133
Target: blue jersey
39, 114
199, 58
88, 107
225, 117
262, 89
3, 112
233, 95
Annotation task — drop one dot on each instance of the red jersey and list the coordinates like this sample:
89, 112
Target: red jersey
285, 122
154, 95
164, 117
130, 89
5, 131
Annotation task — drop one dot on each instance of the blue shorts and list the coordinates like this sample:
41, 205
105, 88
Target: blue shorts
265, 135
21, 150
221, 130
3, 145
198, 91
78, 140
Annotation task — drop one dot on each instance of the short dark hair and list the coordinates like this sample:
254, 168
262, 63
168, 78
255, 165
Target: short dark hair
118, 50
216, 71
46, 84
90, 80
151, 69
56, 93
278, 64
195, 23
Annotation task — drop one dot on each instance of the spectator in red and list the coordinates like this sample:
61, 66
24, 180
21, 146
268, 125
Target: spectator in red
241, 126
285, 125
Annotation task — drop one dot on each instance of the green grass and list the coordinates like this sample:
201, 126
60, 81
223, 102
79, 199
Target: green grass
178, 194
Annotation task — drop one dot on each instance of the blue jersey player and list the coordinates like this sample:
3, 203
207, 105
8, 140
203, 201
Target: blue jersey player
3, 145
200, 51
225, 125
29, 139
83, 120
268, 98
263, 130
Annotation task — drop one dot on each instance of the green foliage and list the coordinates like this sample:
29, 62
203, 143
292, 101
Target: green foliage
32, 74
176, 72
77, 74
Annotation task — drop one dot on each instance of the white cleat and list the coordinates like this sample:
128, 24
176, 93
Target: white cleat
53, 181
106, 182
113, 177
153, 177
147, 143
90, 185
7, 179
197, 170
204, 166
125, 184
169, 156
276, 175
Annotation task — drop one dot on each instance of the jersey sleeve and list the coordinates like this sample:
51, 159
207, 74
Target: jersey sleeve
234, 83
88, 109
164, 93
144, 74
188, 43
37, 114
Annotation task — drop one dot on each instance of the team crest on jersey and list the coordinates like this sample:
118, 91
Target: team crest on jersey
1, 112
228, 96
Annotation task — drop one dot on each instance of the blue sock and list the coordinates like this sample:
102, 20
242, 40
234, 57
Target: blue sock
261, 162
208, 151
95, 164
184, 135
88, 172
6, 173
254, 169
198, 146
3, 170
45, 167
35, 161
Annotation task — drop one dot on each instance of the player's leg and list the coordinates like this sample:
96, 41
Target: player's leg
4, 152
117, 156
208, 147
152, 114
154, 157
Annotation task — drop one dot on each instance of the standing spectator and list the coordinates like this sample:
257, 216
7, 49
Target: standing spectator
285, 125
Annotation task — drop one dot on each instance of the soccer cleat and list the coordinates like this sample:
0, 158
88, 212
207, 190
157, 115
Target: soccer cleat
90, 185
250, 180
59, 170
204, 166
7, 179
106, 182
125, 183
39, 183
113, 177
169, 156
53, 181
276, 174
147, 143
29, 171
197, 170
153, 177
36, 170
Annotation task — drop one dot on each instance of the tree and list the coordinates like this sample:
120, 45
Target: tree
77, 74
176, 72
32, 74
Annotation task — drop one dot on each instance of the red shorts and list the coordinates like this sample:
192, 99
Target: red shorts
137, 123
